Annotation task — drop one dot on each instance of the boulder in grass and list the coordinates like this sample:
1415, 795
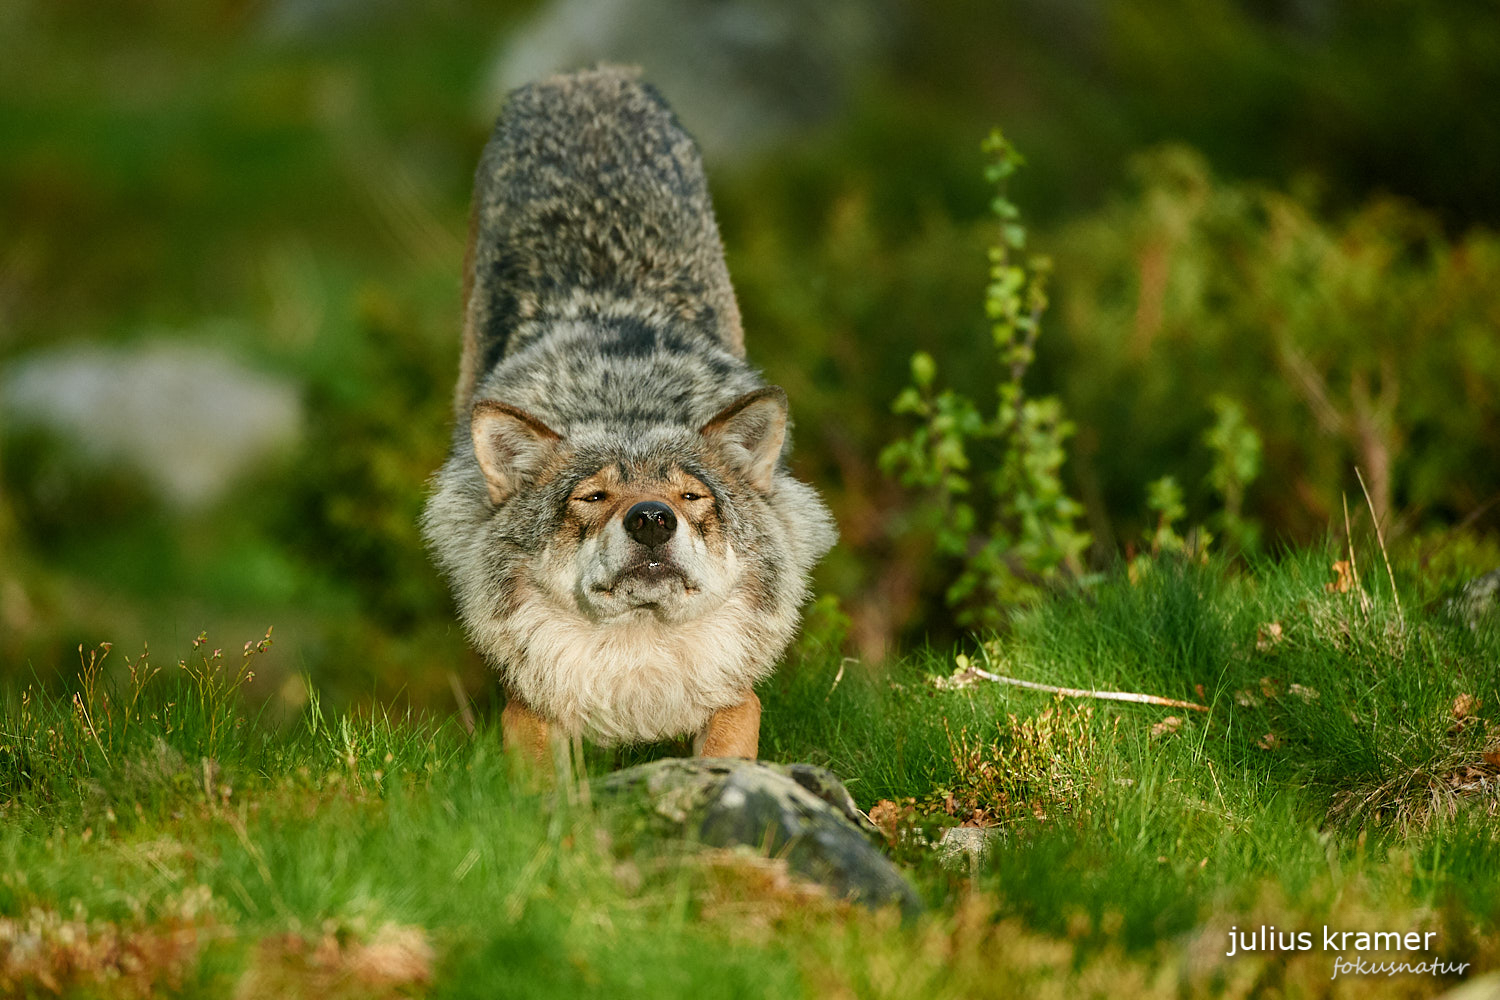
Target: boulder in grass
189, 418
797, 812
743, 75
1478, 600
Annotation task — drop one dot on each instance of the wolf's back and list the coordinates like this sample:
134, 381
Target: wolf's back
589, 200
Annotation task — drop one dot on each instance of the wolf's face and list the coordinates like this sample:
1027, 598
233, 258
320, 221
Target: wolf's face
633, 528
636, 543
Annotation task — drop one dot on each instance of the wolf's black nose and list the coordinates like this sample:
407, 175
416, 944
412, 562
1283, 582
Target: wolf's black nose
650, 522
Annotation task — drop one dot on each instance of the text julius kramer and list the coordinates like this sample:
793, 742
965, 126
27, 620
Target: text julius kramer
1268, 939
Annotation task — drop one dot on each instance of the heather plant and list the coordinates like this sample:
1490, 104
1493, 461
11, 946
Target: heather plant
1019, 533
1312, 343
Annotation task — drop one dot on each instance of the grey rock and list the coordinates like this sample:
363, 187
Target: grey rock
190, 418
794, 811
742, 74
965, 847
1479, 599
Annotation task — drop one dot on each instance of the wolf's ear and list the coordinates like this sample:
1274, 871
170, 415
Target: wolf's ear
511, 445
750, 432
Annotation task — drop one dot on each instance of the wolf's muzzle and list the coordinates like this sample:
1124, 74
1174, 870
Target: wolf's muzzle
651, 523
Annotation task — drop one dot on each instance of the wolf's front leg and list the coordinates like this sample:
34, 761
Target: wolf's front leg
732, 731
526, 733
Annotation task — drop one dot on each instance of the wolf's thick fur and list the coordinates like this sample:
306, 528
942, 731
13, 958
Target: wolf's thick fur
622, 537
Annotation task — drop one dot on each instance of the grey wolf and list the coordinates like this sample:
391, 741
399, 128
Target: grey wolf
615, 519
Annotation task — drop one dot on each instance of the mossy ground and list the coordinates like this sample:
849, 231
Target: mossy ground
1344, 775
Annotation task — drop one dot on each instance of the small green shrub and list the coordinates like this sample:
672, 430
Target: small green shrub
1236, 449
1315, 344
1028, 537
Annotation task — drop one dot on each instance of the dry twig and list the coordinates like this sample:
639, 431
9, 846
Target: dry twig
838, 677
1379, 537
1146, 699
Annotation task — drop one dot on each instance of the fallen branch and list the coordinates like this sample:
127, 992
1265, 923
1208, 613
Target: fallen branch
1147, 699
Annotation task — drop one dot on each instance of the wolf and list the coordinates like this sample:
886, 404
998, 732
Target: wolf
615, 519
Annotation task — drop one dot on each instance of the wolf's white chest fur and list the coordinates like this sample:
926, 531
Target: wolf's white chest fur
637, 680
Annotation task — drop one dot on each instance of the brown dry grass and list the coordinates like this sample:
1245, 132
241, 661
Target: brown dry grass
340, 963
45, 953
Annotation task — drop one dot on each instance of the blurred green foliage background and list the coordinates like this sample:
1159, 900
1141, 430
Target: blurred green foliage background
1289, 205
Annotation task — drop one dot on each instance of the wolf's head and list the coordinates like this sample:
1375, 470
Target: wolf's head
640, 525
613, 556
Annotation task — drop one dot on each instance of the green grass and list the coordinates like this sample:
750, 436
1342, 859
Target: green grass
181, 845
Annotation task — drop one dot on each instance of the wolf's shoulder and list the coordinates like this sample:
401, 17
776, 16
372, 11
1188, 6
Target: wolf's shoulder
590, 200
591, 132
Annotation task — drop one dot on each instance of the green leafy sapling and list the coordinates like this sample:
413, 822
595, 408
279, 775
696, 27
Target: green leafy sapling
1028, 537
1236, 452
1164, 499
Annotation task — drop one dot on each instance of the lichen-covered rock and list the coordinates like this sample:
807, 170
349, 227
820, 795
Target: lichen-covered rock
1478, 599
794, 811
964, 848
190, 418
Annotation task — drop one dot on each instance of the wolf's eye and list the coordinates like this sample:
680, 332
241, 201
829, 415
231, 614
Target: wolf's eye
690, 497
594, 497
